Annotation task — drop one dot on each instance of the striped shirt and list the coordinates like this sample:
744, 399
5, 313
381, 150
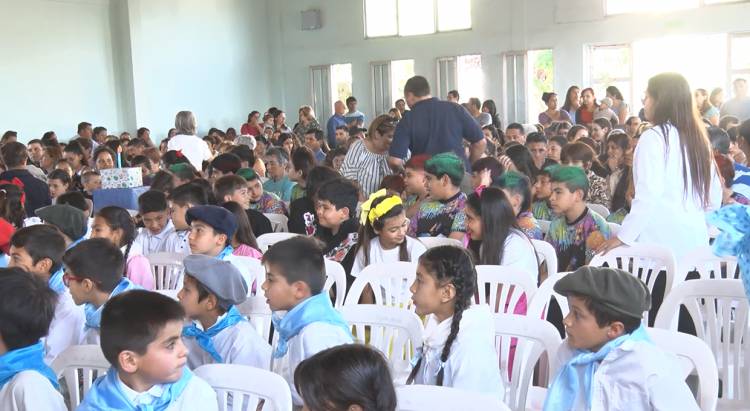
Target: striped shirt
741, 182
367, 168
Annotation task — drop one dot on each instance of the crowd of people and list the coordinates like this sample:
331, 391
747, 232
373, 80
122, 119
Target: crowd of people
358, 193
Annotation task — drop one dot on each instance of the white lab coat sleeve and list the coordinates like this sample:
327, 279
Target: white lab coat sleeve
650, 178
29, 390
478, 373
668, 392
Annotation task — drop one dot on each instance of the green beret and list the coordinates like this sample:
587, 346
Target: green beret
615, 289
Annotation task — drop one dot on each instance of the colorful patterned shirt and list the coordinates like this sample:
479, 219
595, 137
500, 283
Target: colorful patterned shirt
439, 217
528, 224
575, 242
597, 190
541, 211
269, 203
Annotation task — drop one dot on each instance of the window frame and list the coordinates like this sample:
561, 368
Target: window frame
732, 72
590, 67
701, 4
398, 33
323, 115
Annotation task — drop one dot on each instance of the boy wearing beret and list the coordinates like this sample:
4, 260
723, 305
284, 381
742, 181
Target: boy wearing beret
218, 333
69, 220
608, 361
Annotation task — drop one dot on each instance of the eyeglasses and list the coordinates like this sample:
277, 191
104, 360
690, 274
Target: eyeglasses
67, 278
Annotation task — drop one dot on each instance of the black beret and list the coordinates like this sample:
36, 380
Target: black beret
221, 219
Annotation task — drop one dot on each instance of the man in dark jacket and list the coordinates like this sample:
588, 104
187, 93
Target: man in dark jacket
15, 157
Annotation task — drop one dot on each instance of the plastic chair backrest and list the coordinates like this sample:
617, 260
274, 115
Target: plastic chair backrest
546, 253
432, 242
434, 398
335, 275
719, 311
708, 265
267, 240
502, 287
167, 270
694, 355
546, 293
240, 387
599, 209
79, 365
396, 332
523, 340
390, 283
279, 222
255, 307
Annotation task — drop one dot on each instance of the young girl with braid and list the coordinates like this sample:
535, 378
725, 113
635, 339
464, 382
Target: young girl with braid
116, 225
458, 349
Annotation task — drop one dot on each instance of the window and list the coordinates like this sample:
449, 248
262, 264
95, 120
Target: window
540, 79
526, 75
739, 56
328, 84
462, 73
610, 65
648, 6
415, 17
388, 81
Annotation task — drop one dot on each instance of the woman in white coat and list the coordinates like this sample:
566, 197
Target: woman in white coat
193, 147
675, 179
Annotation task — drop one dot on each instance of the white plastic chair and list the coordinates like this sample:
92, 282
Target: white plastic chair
279, 222
434, 398
708, 265
502, 287
533, 337
335, 274
546, 253
390, 283
432, 242
544, 225
719, 311
169, 293
544, 294
694, 355
240, 387
267, 240
394, 331
255, 307
167, 270
614, 228
80, 365
599, 209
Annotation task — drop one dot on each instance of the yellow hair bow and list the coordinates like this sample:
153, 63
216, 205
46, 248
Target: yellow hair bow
371, 214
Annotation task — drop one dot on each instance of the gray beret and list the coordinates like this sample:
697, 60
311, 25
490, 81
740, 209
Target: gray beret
615, 289
220, 277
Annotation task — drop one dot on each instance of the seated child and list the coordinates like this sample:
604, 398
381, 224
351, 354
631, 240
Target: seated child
414, 181
607, 343
576, 232
153, 208
91, 180
243, 240
542, 191
141, 340
38, 250
225, 164
180, 200
116, 225
382, 234
70, 220
77, 200
453, 356
484, 170
583, 156
303, 315
336, 207
604, 111
517, 188
442, 215
278, 182
263, 201
218, 333
59, 183
363, 380
234, 188
27, 307
93, 273
302, 218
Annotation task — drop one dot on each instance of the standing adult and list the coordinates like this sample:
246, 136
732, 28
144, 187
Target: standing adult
335, 121
618, 104
307, 122
193, 147
705, 108
489, 107
482, 118
353, 117
552, 114
572, 102
367, 160
86, 132
433, 126
585, 113
739, 106
14, 156
675, 181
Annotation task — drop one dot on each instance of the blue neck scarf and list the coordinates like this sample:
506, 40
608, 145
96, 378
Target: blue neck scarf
734, 239
227, 251
75, 243
564, 390
94, 314
29, 358
204, 338
105, 394
317, 308
56, 281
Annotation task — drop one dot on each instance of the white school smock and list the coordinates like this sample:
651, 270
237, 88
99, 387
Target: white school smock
472, 362
66, 328
30, 391
89, 336
635, 376
147, 243
414, 248
197, 395
238, 344
314, 338
519, 253
663, 211
177, 242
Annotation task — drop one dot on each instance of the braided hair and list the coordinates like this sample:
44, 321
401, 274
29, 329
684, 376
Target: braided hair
118, 218
449, 264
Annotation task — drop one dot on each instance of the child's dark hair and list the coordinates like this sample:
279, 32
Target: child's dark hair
394, 183
362, 377
41, 241
132, 320
173, 157
61, 175
536, 138
184, 171
227, 185
367, 230
336, 152
559, 140
317, 177
578, 152
75, 147
497, 219
11, 207
152, 201
341, 193
140, 160
244, 233
118, 218
521, 157
86, 175
206, 186
516, 183
26, 309
14, 154
98, 260
449, 264
75, 199
163, 182
189, 193
300, 259
488, 163
448, 164
303, 160
204, 292
605, 316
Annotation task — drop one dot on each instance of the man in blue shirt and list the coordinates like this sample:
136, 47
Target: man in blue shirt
433, 126
336, 120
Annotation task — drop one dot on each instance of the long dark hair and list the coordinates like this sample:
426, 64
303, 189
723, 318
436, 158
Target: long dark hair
449, 264
492, 109
569, 101
673, 104
497, 218
621, 140
367, 231
118, 218
244, 234
521, 157
11, 207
